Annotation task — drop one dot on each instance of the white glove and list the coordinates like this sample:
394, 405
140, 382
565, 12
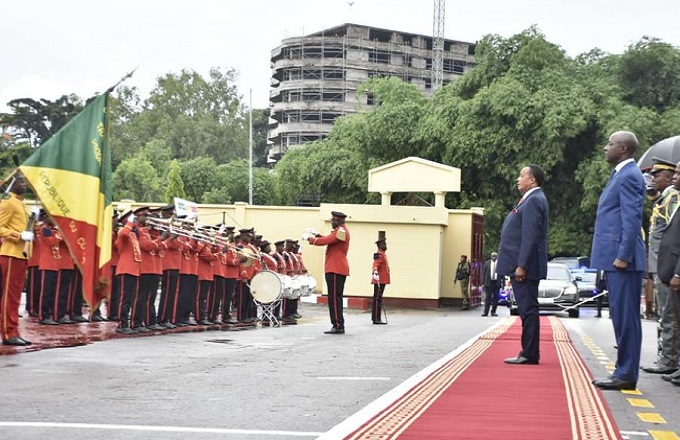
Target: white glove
35, 211
305, 236
312, 231
376, 276
27, 236
131, 218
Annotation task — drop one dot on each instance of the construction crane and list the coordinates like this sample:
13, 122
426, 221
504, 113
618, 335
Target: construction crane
438, 44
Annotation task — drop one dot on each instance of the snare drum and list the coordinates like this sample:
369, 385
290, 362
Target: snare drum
267, 286
295, 289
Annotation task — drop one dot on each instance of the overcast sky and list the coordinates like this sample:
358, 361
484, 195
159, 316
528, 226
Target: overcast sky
49, 48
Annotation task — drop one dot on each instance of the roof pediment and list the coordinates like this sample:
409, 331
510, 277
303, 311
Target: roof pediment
414, 174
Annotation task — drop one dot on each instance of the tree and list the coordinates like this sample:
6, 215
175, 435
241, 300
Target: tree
234, 185
649, 74
37, 120
136, 179
174, 185
199, 175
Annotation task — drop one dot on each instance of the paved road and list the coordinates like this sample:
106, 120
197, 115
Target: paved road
271, 383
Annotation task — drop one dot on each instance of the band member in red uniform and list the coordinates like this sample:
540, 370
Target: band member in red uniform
170, 264
188, 281
144, 317
206, 260
230, 261
380, 279
34, 276
336, 267
49, 264
127, 270
113, 303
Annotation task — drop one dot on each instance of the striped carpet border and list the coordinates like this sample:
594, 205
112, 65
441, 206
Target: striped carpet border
589, 416
398, 416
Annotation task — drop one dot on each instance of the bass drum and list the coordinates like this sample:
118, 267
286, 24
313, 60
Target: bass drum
266, 287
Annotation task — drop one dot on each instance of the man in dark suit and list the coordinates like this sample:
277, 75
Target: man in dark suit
668, 266
523, 256
491, 285
618, 250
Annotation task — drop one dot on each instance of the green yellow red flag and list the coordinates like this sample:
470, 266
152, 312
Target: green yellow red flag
71, 176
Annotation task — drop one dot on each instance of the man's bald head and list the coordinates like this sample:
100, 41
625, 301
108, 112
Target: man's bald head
621, 146
628, 139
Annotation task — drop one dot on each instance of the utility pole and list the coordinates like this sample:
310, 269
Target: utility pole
438, 44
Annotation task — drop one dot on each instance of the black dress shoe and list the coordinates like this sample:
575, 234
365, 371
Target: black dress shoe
485, 314
379, 323
494, 314
676, 382
141, 329
155, 327
520, 360
204, 322
26, 341
659, 369
65, 320
125, 331
614, 383
79, 319
98, 318
17, 342
181, 324
335, 331
48, 321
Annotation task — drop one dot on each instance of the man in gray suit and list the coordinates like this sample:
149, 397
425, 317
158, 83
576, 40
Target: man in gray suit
492, 284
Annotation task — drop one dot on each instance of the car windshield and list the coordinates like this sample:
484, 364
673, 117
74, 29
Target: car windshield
558, 272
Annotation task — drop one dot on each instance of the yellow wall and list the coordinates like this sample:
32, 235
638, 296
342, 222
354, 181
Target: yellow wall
425, 243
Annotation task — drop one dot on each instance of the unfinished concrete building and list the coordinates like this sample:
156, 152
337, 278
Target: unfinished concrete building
315, 77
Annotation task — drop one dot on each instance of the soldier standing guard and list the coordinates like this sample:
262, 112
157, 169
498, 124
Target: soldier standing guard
463, 275
380, 279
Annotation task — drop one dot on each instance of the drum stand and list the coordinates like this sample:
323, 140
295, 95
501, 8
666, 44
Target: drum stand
267, 312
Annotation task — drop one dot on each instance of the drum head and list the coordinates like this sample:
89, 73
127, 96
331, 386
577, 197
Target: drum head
312, 284
266, 287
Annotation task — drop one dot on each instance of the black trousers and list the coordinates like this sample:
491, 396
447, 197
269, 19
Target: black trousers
203, 299
64, 292
113, 305
526, 295
491, 298
148, 282
128, 285
48, 295
167, 309
228, 298
75, 303
336, 288
33, 290
188, 285
376, 310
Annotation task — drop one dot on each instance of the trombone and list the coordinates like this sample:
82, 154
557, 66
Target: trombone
189, 229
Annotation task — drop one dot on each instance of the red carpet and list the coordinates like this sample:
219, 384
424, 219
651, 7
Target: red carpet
475, 396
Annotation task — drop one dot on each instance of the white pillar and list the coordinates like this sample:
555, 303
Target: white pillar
439, 199
385, 198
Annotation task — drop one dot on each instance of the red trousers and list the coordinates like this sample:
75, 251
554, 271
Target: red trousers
12, 279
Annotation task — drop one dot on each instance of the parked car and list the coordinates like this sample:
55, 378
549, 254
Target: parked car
573, 263
557, 292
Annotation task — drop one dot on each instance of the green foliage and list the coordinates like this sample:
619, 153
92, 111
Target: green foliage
649, 73
174, 186
321, 171
36, 121
136, 179
199, 176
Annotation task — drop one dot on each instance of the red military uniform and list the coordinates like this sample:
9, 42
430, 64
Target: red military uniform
336, 268
380, 279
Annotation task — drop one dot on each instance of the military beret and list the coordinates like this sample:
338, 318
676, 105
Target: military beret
661, 165
338, 214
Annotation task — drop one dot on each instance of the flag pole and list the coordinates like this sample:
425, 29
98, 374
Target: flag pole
126, 76
250, 152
